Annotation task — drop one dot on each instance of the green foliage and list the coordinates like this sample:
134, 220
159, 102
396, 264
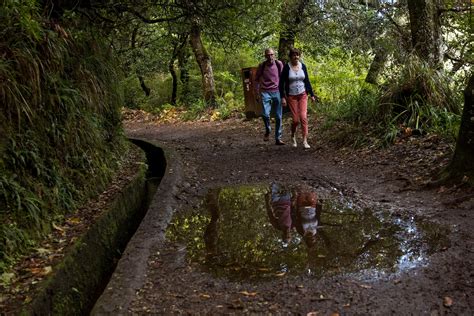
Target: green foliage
421, 97
229, 106
416, 97
195, 110
337, 75
228, 86
61, 127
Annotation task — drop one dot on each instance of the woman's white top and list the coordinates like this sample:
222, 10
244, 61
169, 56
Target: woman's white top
296, 80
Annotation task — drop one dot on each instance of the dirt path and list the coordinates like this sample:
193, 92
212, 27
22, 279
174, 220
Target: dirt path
232, 152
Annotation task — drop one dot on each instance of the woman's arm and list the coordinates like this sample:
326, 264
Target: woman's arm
307, 83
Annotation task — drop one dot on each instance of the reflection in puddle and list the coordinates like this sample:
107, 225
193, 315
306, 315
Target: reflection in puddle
255, 232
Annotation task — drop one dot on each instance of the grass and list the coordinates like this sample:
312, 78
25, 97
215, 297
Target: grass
417, 98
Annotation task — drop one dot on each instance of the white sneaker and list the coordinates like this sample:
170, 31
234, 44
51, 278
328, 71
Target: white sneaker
306, 145
293, 141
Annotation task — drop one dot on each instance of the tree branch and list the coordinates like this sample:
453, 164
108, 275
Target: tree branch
152, 21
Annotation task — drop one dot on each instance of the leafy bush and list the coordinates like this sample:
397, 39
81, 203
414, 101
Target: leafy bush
416, 96
422, 98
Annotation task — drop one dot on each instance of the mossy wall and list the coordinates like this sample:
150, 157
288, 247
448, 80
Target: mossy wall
79, 279
61, 137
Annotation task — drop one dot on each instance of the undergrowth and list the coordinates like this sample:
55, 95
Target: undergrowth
60, 132
416, 100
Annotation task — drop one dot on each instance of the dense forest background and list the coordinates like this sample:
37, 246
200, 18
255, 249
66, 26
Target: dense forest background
68, 67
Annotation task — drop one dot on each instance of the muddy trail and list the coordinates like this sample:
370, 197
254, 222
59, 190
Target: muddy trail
405, 249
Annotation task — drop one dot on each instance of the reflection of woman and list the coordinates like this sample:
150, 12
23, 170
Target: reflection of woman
308, 212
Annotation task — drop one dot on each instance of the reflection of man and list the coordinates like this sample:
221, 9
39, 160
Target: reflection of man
279, 209
298, 209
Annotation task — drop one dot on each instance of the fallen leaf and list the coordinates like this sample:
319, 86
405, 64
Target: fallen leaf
447, 301
248, 293
43, 251
41, 271
74, 220
56, 227
441, 189
237, 304
47, 270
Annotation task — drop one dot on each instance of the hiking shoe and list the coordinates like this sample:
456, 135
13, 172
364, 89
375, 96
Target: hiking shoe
266, 137
293, 142
279, 142
306, 145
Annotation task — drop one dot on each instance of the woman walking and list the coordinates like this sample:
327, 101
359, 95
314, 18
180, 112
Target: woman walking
294, 90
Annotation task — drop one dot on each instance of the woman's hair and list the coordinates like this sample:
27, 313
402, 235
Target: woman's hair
294, 51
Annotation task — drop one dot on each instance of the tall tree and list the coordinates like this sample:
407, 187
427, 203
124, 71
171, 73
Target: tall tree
141, 79
377, 65
292, 13
425, 30
179, 43
205, 65
462, 163
183, 65
194, 13
203, 21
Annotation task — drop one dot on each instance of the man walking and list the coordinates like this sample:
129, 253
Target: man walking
267, 78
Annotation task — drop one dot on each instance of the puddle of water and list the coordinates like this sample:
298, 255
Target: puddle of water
258, 232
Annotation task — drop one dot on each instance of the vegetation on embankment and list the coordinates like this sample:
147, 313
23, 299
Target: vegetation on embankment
61, 138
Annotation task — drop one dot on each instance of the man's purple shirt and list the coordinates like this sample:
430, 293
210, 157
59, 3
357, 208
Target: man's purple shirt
268, 76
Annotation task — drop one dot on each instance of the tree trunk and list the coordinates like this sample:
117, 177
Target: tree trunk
286, 42
291, 18
376, 66
204, 61
463, 159
174, 81
183, 58
425, 30
145, 88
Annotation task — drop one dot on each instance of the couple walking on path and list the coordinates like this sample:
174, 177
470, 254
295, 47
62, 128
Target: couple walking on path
284, 85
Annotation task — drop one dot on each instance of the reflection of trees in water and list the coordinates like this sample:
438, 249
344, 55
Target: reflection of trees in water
237, 235
210, 234
231, 234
